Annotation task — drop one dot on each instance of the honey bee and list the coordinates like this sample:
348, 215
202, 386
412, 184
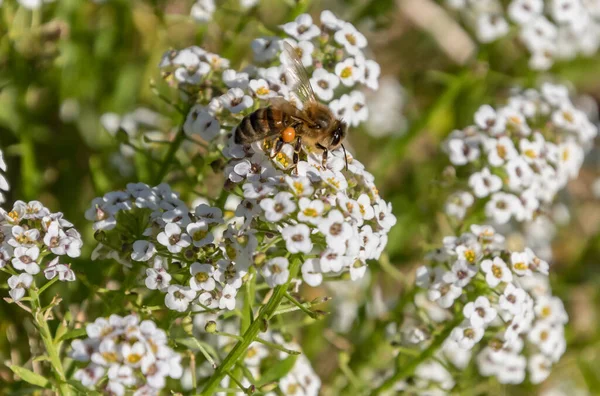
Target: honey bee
314, 125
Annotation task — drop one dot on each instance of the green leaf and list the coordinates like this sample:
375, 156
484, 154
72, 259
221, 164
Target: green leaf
190, 342
277, 371
76, 333
29, 376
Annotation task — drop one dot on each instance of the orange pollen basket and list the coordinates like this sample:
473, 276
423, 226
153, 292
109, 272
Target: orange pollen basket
288, 134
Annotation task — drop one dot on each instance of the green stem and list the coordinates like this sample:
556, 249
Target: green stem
251, 333
52, 349
412, 365
179, 138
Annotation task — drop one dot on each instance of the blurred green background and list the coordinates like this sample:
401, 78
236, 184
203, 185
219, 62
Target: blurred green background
65, 65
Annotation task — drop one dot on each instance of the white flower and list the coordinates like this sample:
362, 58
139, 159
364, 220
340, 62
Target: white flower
462, 151
261, 89
203, 10
143, 250
370, 72
133, 354
304, 50
64, 272
310, 211
201, 122
460, 274
480, 313
278, 207
525, 11
311, 272
90, 375
209, 214
383, 214
234, 79
25, 259
236, 101
297, 238
336, 230
157, 279
539, 368
466, 335
301, 186
458, 203
324, 83
330, 21
276, 271
29, 237
487, 119
520, 263
500, 150
202, 277
484, 183
173, 238
443, 293
18, 284
352, 40
227, 299
347, 71
502, 206
200, 234
265, 48
357, 108
513, 300
302, 28
178, 297
490, 27
496, 271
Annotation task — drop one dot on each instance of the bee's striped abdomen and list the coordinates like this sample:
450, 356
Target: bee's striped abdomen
262, 123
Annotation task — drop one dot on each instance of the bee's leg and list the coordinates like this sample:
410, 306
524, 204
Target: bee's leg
277, 148
324, 160
297, 148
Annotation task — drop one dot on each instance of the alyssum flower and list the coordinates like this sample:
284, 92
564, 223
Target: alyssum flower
501, 301
518, 156
34, 240
132, 355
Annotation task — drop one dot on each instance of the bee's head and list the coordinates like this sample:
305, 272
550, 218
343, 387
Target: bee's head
337, 134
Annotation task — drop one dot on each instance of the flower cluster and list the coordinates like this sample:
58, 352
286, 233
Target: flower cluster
558, 29
132, 355
517, 157
221, 96
32, 239
190, 255
3, 183
501, 303
334, 217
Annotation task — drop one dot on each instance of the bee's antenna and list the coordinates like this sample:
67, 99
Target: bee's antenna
345, 156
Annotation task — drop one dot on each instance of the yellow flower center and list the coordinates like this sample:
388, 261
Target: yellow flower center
310, 212
351, 39
134, 358
201, 277
262, 91
299, 187
14, 215
199, 235
520, 266
334, 182
346, 72
497, 271
470, 255
530, 153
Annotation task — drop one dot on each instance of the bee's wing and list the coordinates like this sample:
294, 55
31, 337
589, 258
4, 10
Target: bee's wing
296, 73
280, 103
